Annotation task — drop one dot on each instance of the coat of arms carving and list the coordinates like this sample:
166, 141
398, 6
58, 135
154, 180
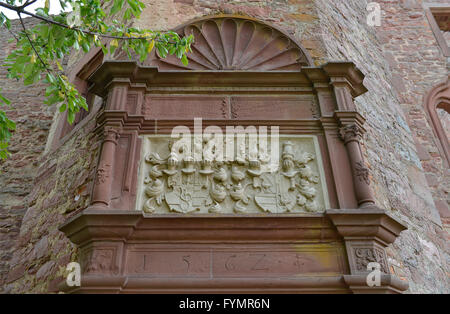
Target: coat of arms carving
179, 184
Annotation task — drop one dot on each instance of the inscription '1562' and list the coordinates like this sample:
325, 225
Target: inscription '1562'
230, 264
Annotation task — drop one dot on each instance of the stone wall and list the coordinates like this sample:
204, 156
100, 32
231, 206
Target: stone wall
417, 65
40, 187
401, 61
28, 142
61, 190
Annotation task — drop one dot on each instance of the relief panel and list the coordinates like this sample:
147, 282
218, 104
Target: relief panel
171, 181
186, 107
274, 107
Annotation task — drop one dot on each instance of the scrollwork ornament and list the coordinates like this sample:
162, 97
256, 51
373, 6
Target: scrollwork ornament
362, 172
103, 173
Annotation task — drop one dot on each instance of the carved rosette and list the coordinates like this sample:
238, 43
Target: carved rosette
103, 173
246, 185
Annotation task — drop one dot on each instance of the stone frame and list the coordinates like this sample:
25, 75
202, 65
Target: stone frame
78, 76
430, 8
438, 95
110, 223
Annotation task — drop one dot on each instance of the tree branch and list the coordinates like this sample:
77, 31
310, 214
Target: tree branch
12, 33
43, 18
32, 44
27, 3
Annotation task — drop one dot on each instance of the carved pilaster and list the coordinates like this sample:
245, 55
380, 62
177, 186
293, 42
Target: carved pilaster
347, 82
103, 181
343, 96
323, 90
117, 95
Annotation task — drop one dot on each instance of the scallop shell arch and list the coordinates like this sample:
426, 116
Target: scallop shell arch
236, 44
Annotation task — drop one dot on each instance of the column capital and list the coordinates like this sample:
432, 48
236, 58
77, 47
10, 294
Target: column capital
351, 133
111, 134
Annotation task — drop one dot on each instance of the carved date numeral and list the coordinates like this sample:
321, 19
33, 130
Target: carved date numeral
144, 265
186, 259
259, 263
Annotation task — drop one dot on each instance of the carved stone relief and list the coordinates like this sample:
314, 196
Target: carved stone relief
173, 182
98, 260
236, 44
364, 256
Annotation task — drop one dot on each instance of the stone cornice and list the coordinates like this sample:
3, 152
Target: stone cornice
366, 223
338, 73
102, 224
130, 72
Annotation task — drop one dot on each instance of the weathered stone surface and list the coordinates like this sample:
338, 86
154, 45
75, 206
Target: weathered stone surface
34, 192
396, 169
28, 142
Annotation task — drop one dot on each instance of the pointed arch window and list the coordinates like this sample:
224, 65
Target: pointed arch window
437, 106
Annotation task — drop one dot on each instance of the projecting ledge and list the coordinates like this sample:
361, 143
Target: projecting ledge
97, 224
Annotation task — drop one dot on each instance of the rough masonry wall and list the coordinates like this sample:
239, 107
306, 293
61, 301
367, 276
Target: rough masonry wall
44, 186
61, 190
399, 181
17, 173
418, 65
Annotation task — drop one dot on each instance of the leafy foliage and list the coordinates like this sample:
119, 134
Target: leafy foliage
40, 51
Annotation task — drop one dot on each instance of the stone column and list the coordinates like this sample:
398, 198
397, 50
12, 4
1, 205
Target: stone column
351, 135
102, 189
347, 82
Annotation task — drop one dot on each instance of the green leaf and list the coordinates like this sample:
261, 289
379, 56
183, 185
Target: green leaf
184, 60
5, 21
118, 4
10, 125
70, 116
114, 43
50, 78
86, 47
62, 108
4, 99
162, 51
